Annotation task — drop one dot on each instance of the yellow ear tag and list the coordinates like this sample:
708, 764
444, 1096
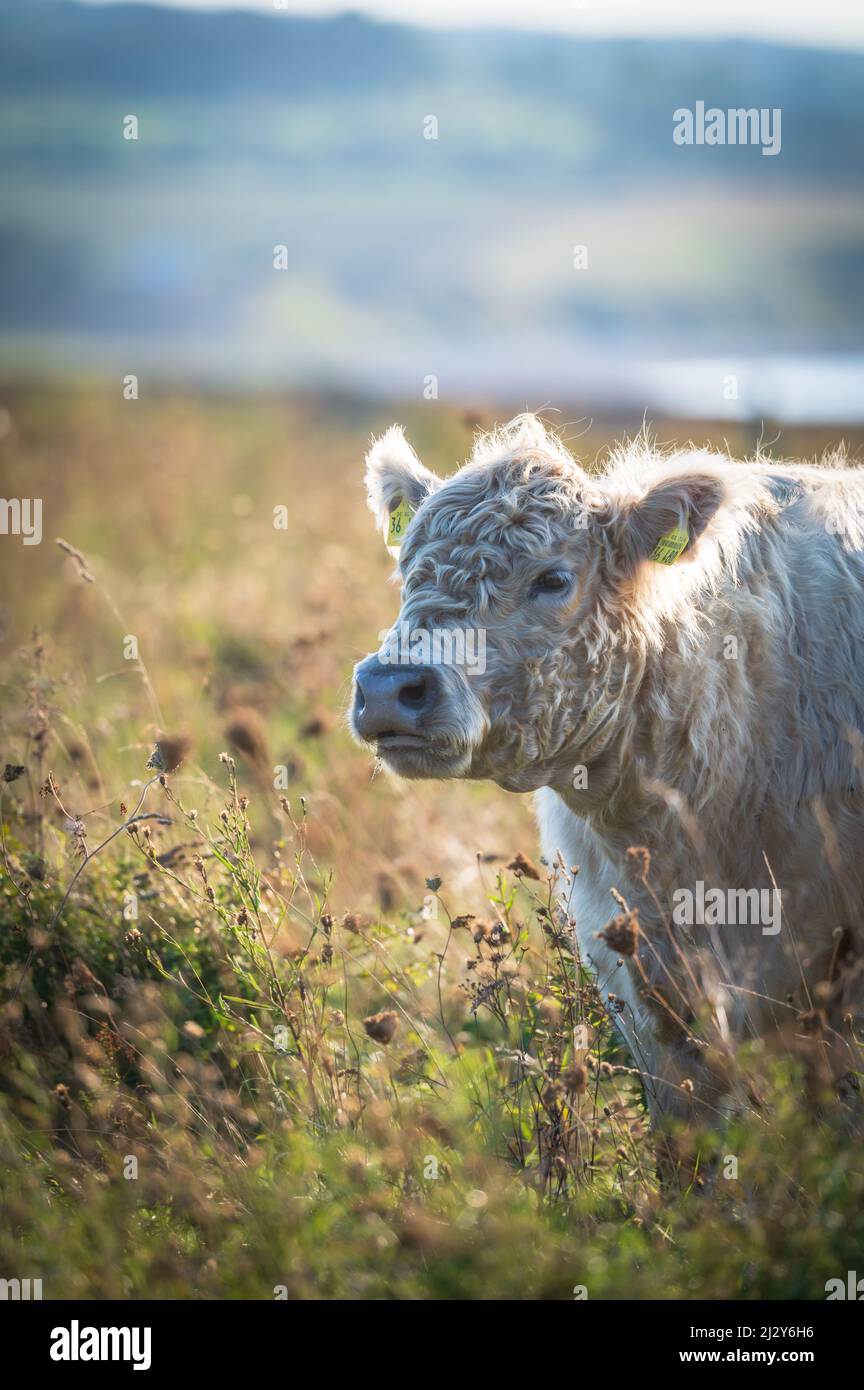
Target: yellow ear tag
670, 546
398, 524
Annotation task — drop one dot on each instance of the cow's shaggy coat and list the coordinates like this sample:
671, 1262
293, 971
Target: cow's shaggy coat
710, 710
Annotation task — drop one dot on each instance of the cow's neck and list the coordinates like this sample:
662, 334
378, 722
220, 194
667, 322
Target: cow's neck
678, 744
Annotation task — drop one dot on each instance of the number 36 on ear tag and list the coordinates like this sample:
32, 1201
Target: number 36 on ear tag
398, 523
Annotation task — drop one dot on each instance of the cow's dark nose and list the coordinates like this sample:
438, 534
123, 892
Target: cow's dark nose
393, 700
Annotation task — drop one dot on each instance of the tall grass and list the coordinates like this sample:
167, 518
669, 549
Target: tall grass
312, 1041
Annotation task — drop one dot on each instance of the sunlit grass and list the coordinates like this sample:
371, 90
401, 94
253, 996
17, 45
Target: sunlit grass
324, 1039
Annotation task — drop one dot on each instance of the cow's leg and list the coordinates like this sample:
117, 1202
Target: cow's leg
649, 1024
647, 994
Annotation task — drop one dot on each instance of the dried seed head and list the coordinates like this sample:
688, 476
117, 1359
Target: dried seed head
382, 1027
622, 934
168, 753
575, 1080
640, 858
522, 867
463, 923
316, 726
247, 734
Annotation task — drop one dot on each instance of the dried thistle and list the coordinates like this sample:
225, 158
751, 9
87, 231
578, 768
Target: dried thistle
640, 857
522, 867
463, 922
575, 1080
168, 753
622, 934
382, 1027
316, 726
247, 734
552, 1094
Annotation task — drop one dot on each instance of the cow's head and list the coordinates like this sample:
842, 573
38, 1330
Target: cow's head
529, 600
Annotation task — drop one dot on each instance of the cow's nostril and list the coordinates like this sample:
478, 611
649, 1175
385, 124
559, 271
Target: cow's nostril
391, 701
413, 695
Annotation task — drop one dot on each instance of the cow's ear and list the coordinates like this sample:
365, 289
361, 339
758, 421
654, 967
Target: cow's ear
666, 522
395, 477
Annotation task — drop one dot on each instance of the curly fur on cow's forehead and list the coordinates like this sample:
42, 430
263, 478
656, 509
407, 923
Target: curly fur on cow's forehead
518, 493
515, 503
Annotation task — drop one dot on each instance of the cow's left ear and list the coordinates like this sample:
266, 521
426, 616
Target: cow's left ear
665, 523
395, 478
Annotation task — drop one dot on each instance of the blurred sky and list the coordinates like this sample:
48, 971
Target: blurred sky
554, 243
830, 23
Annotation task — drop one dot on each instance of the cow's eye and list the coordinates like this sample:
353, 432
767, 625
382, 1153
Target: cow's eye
552, 582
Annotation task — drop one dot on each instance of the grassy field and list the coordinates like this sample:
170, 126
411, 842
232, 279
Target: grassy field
321, 1039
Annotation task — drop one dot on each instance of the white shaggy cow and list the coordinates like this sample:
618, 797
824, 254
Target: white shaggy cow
706, 706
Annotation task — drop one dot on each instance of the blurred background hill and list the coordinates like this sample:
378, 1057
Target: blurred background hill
410, 257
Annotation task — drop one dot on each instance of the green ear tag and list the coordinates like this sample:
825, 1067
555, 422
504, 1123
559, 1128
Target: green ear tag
398, 523
670, 546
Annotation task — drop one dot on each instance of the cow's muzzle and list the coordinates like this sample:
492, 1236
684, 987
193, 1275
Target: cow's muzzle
393, 703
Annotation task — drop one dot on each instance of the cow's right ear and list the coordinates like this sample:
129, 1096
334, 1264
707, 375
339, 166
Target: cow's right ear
395, 478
